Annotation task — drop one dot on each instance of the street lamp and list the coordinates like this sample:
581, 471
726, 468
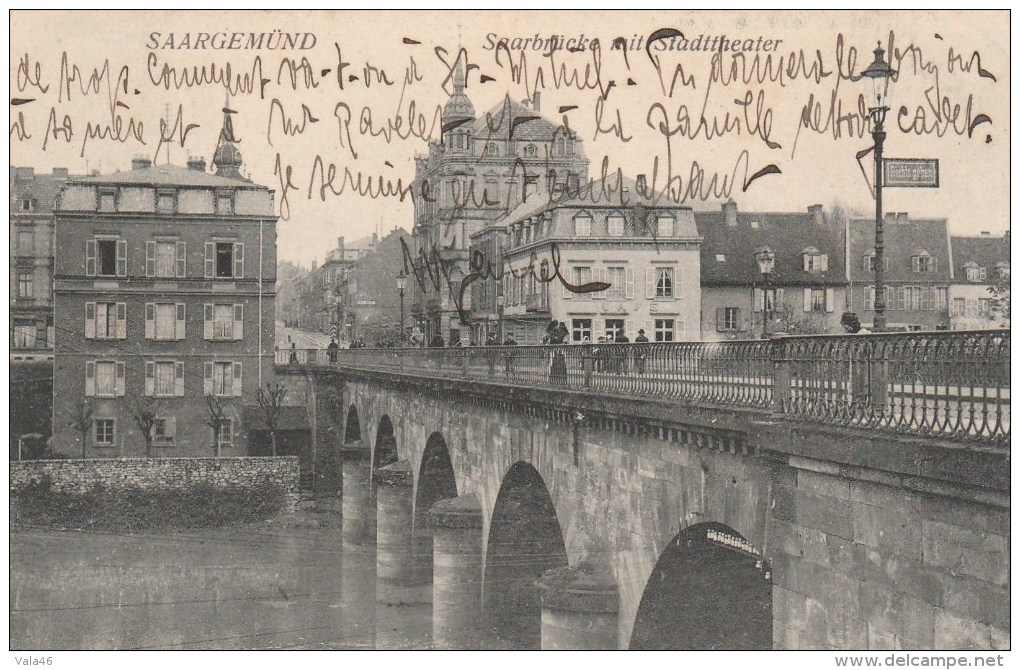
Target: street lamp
882, 79
401, 283
766, 259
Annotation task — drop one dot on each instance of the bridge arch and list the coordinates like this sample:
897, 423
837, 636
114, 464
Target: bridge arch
352, 426
710, 589
384, 450
436, 481
525, 539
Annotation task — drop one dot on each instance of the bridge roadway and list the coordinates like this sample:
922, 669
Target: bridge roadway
834, 493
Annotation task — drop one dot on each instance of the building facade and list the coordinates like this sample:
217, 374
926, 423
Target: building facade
483, 167
918, 271
644, 255
368, 295
980, 282
807, 288
164, 307
31, 260
320, 293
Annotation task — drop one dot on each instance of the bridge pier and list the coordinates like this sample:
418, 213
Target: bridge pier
457, 573
358, 503
394, 517
580, 607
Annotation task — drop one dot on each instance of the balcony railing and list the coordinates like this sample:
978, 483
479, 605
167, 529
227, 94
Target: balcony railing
945, 384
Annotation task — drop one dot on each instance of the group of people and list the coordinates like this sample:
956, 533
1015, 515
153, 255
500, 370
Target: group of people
617, 359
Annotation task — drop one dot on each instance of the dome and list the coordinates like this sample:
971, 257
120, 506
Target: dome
458, 107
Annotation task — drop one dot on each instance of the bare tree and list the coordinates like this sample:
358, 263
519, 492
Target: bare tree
270, 401
1000, 296
145, 410
215, 419
81, 418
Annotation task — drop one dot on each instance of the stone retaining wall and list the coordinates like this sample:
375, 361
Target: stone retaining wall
79, 475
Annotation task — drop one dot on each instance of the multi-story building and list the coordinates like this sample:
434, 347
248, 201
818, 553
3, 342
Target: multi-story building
320, 294
164, 303
646, 253
368, 295
482, 168
980, 276
918, 271
31, 262
806, 290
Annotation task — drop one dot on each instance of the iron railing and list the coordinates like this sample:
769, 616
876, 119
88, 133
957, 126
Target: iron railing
947, 384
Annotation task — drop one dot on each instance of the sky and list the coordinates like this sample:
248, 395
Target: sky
784, 104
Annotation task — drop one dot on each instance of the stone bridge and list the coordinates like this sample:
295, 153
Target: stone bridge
650, 504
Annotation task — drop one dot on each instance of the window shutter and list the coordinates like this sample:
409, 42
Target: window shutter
598, 275
566, 292
237, 379
182, 260
120, 378
90, 320
150, 378
121, 320
806, 259
935, 265
758, 299
598, 329
830, 300
170, 427
824, 259
865, 264
649, 283
679, 331
740, 324
210, 260
238, 322
207, 324
179, 379
630, 283
179, 327
90, 258
238, 260
150, 320
807, 300
90, 378
122, 258
150, 259
678, 283
779, 300
207, 381
720, 318
915, 263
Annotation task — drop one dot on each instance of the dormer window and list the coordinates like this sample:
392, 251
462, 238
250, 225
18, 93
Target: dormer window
720, 258
1002, 269
491, 149
582, 225
922, 261
868, 262
974, 272
664, 226
27, 203
614, 224
814, 260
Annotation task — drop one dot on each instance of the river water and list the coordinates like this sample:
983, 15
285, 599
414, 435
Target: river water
259, 587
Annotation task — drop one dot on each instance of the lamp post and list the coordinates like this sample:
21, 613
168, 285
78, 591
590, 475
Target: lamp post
766, 260
881, 76
401, 283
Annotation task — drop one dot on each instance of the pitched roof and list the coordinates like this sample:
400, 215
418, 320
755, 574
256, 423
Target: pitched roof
496, 123
167, 175
727, 252
904, 238
984, 251
43, 188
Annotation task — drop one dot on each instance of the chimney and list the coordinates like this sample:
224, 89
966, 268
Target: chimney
340, 243
986, 233
641, 186
817, 213
196, 163
729, 208
536, 102
890, 217
140, 163
60, 173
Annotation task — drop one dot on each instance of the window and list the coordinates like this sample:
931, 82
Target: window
869, 298
104, 379
24, 335
222, 378
665, 330
817, 298
164, 430
491, 149
106, 320
26, 242
107, 202
105, 432
1003, 270
582, 276
225, 433
224, 260
664, 282
224, 322
164, 321
582, 226
530, 150
163, 378
24, 283
615, 225
28, 204
615, 328
166, 203
580, 329
727, 318
616, 277
923, 262
720, 258
664, 226
868, 263
985, 307
815, 261
959, 307
224, 204
106, 258
107, 252
165, 259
